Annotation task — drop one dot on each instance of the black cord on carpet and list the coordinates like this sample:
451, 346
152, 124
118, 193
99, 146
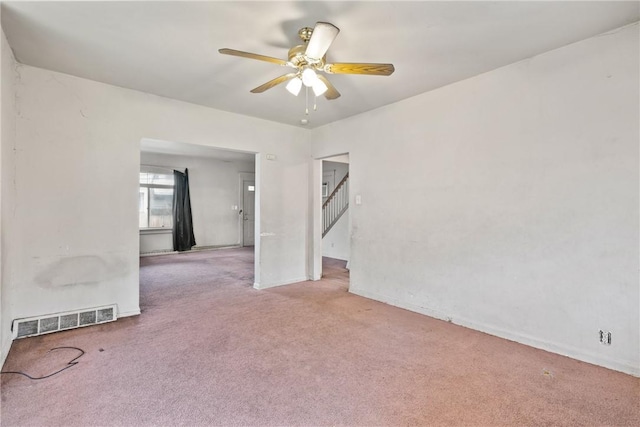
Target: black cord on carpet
70, 364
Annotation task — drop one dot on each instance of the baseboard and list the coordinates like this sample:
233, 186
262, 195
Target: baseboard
215, 247
273, 285
341, 258
158, 252
129, 313
193, 249
564, 350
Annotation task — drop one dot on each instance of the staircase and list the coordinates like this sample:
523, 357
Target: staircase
336, 205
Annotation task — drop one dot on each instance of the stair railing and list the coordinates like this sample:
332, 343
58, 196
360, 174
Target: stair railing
336, 205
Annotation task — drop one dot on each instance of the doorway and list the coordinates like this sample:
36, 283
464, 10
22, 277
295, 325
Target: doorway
335, 208
216, 194
331, 213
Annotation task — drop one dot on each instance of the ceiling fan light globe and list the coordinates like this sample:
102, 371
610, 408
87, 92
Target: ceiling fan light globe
319, 87
309, 77
294, 86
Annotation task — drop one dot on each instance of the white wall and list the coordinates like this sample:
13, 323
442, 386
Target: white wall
75, 238
336, 243
214, 189
7, 189
508, 202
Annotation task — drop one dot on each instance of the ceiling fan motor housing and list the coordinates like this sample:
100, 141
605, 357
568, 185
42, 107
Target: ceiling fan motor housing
297, 58
305, 33
297, 54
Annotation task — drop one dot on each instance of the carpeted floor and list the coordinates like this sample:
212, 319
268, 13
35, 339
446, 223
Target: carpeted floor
208, 349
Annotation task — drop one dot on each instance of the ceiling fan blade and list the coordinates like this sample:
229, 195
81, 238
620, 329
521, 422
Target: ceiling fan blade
242, 54
274, 82
351, 68
321, 38
331, 92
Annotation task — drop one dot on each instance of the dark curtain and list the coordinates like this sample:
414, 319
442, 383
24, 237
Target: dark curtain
183, 238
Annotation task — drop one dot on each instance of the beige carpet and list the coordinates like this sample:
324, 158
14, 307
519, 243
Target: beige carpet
208, 349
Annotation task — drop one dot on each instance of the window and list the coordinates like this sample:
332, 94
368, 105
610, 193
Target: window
156, 200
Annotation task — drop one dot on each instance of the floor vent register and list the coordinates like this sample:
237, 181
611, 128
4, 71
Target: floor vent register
40, 325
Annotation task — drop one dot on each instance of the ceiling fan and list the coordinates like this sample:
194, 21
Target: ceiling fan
309, 59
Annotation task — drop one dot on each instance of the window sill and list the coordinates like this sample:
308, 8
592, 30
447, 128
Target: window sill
156, 230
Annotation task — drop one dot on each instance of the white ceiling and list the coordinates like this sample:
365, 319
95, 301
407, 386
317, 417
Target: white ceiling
171, 48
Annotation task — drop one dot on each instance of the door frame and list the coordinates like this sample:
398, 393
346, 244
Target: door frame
315, 258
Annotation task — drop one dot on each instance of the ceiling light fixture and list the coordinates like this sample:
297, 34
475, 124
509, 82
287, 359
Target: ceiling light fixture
319, 87
294, 86
309, 77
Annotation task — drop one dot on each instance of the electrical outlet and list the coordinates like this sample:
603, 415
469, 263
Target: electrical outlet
605, 337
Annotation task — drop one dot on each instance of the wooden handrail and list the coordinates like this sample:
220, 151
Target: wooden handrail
340, 184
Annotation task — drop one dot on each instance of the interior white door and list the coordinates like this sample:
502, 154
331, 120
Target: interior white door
248, 213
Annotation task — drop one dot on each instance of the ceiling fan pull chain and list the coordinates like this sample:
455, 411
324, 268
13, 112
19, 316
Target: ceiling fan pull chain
315, 103
306, 100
